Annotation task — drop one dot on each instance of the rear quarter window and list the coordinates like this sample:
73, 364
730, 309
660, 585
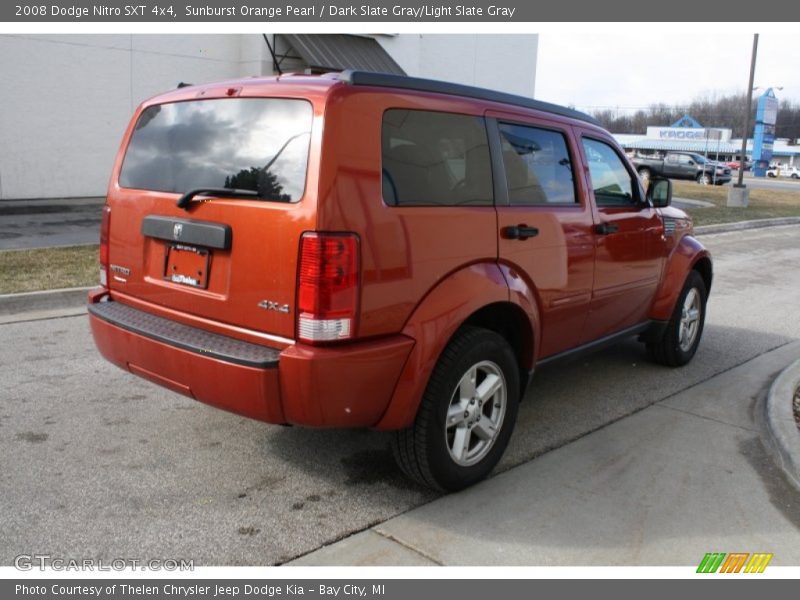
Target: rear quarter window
258, 144
435, 159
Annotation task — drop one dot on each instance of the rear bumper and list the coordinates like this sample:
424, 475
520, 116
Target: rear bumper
342, 386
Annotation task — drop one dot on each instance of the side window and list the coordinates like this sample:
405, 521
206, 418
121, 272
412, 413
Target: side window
611, 181
683, 159
435, 159
672, 158
538, 166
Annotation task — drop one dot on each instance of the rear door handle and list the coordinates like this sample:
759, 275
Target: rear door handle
520, 232
606, 228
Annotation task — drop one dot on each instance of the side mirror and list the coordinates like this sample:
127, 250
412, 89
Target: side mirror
659, 192
691, 162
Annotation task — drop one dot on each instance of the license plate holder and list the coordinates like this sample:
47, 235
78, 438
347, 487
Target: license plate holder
187, 265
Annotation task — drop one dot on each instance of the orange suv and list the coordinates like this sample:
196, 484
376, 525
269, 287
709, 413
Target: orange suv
369, 250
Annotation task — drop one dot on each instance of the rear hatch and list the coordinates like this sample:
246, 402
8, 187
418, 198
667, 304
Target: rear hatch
227, 258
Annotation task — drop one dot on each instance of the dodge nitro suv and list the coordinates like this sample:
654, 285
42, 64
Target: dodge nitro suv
377, 251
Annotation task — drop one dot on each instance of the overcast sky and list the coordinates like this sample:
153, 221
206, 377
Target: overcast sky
647, 66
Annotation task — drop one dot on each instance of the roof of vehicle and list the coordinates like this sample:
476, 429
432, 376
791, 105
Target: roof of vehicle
386, 80
455, 89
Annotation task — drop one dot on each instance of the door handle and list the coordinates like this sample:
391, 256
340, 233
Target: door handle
606, 228
520, 232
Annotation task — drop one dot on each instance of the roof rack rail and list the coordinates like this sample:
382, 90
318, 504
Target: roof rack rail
455, 89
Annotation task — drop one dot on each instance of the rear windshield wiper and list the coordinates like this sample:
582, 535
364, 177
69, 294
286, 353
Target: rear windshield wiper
183, 201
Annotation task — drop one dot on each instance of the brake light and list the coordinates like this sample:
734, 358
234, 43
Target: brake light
328, 282
104, 226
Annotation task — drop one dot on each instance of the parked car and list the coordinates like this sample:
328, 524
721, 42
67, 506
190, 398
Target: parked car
376, 251
683, 165
783, 171
735, 164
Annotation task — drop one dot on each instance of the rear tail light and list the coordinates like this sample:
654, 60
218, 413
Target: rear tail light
104, 226
328, 287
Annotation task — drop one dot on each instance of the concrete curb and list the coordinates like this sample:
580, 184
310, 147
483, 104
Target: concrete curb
743, 225
47, 300
782, 431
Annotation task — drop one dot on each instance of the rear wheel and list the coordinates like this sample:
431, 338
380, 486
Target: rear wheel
682, 336
704, 178
466, 415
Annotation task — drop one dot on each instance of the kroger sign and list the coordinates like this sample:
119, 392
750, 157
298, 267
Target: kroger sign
688, 133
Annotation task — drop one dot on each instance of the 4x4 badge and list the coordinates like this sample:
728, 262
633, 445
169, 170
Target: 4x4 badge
270, 305
177, 230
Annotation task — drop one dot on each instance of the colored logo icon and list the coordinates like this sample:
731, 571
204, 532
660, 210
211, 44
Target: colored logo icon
734, 562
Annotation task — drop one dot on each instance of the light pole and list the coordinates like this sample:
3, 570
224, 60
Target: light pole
738, 194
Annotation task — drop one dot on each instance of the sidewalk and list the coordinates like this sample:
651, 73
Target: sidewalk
685, 476
689, 203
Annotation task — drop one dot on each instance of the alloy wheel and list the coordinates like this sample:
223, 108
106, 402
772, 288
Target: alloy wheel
475, 414
690, 320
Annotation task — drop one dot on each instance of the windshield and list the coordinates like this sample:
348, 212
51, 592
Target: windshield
258, 144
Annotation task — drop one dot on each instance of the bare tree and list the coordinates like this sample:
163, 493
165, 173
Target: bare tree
710, 111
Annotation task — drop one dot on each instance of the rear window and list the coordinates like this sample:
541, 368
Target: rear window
258, 144
435, 158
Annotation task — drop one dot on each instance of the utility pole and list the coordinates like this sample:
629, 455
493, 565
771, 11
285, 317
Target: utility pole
739, 194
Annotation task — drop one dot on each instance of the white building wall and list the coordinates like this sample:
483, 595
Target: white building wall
65, 100
506, 63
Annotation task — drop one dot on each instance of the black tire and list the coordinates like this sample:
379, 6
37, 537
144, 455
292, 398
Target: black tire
669, 350
771, 175
423, 450
704, 179
795, 176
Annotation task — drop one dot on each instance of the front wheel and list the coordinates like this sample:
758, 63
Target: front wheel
682, 336
466, 415
704, 178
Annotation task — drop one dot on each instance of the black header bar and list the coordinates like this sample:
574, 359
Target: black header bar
390, 11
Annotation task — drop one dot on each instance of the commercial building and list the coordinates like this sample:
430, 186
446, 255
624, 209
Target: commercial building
66, 99
687, 135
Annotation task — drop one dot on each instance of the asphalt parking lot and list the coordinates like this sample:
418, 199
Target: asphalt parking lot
101, 464
785, 184
49, 222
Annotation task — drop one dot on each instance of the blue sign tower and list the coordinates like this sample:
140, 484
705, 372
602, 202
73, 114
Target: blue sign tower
764, 134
